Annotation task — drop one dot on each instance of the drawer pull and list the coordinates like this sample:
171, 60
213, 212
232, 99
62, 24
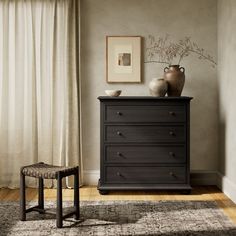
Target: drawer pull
119, 154
118, 174
172, 133
172, 174
119, 133
172, 154
171, 113
118, 113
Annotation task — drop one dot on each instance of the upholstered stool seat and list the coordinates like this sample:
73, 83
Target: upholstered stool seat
45, 171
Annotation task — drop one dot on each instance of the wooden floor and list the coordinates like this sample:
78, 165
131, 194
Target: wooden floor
90, 193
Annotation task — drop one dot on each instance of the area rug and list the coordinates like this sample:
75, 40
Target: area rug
182, 218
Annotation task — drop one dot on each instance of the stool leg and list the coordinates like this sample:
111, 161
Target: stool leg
41, 194
59, 200
76, 195
22, 197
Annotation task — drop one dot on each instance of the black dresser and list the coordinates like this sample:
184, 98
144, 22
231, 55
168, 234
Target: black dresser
144, 143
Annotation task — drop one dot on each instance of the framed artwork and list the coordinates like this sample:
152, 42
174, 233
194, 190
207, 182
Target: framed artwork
123, 59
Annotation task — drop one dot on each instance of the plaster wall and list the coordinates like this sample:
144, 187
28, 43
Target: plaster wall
227, 102
179, 18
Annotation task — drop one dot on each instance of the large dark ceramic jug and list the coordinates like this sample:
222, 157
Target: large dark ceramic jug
175, 77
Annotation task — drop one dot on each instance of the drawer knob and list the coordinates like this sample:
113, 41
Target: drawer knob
118, 113
118, 174
171, 113
119, 154
171, 174
172, 154
172, 133
119, 133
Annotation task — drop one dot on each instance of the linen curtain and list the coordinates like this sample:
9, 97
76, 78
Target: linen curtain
39, 85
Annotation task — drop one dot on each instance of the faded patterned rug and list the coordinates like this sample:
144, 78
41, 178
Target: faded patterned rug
170, 218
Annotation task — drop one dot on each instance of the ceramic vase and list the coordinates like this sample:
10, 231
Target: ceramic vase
158, 87
175, 77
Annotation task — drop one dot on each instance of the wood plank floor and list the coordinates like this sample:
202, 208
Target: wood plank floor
90, 193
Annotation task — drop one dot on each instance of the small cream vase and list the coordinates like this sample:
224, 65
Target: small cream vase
158, 87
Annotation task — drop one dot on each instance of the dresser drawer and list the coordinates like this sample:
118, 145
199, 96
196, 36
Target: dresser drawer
145, 154
144, 133
147, 174
143, 113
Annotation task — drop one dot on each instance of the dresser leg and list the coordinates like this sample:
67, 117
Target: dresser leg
186, 192
103, 192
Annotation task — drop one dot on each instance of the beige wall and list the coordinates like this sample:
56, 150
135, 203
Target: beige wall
227, 86
178, 18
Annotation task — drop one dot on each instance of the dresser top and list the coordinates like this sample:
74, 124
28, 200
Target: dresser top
143, 98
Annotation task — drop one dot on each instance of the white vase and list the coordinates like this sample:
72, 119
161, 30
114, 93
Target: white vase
158, 87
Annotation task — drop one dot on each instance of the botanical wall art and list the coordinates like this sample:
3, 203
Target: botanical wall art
123, 59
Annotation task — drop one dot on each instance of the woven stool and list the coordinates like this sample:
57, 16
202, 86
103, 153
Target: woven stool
43, 171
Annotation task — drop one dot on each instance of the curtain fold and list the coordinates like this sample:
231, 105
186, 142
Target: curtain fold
39, 85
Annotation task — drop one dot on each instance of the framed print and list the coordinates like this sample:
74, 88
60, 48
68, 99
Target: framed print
123, 59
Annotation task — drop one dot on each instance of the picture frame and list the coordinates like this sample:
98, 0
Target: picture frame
123, 59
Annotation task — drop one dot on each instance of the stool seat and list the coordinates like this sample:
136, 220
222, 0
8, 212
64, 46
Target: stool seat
45, 171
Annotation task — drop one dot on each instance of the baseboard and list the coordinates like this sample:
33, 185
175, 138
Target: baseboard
203, 177
91, 177
226, 186
197, 177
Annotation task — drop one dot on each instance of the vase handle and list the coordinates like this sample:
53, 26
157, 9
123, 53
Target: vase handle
166, 68
183, 70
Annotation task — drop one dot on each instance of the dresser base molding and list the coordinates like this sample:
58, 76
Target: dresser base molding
105, 188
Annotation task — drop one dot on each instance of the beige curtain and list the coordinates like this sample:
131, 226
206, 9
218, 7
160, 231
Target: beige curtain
39, 85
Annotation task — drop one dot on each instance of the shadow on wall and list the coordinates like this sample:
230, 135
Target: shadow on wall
204, 119
222, 149
222, 142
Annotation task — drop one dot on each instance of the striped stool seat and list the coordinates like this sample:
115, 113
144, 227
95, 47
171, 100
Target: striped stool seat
44, 171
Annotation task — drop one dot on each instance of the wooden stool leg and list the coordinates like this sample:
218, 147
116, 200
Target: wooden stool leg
22, 197
41, 194
76, 195
59, 200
